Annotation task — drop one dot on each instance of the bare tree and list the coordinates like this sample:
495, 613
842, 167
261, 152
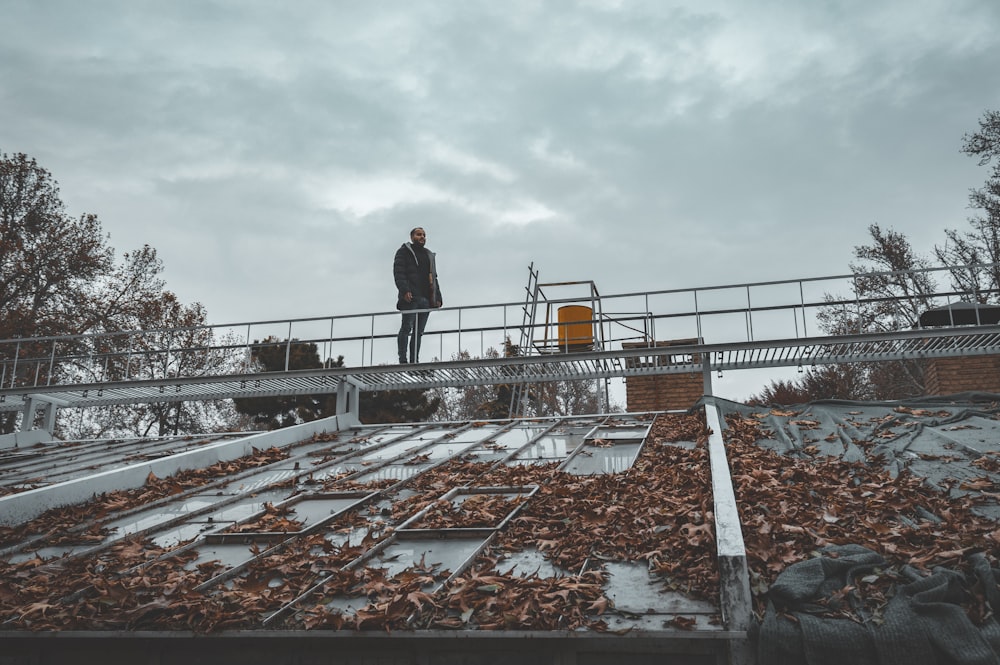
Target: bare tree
890, 290
59, 278
471, 402
979, 247
167, 339
550, 398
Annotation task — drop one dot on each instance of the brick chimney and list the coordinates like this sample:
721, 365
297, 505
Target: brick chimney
947, 376
665, 392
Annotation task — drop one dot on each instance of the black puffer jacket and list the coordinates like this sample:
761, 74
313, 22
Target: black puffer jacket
411, 277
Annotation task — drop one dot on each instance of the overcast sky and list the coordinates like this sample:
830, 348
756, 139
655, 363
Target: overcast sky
277, 153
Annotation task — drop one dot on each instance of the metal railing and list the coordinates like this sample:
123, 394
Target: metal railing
749, 312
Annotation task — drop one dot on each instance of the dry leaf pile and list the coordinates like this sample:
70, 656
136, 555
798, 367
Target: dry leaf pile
478, 511
63, 525
791, 508
573, 519
276, 519
658, 512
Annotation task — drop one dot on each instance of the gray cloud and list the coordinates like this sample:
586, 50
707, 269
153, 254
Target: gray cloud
277, 153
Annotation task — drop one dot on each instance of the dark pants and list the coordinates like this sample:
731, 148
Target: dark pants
412, 328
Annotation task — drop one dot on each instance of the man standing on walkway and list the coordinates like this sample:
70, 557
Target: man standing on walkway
415, 273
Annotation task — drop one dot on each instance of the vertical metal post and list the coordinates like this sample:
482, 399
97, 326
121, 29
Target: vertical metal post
288, 347
28, 414
348, 399
650, 338
503, 341
17, 354
249, 356
166, 358
802, 302
52, 363
706, 371
749, 316
49, 423
857, 302
128, 359
341, 397
371, 349
697, 314
329, 346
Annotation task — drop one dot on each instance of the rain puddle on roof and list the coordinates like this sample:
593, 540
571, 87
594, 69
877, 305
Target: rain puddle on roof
430, 552
548, 448
607, 451
410, 443
240, 510
641, 601
529, 562
265, 478
388, 472
147, 519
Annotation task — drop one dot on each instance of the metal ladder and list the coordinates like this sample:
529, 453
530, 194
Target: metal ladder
519, 391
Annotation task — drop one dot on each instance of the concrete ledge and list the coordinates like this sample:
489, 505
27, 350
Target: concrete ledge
734, 574
25, 506
29, 438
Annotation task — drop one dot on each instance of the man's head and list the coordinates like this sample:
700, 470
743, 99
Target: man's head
418, 236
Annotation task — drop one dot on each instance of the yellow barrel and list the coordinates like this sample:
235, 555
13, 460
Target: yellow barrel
576, 329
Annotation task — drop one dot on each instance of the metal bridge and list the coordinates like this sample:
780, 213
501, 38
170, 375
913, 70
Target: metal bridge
711, 329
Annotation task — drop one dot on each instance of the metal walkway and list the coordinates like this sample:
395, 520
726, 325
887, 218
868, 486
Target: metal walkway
704, 358
760, 326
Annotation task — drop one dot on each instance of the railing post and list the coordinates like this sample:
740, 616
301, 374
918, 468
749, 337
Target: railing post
166, 357
249, 353
857, 302
697, 314
329, 346
802, 302
749, 316
52, 363
128, 358
17, 354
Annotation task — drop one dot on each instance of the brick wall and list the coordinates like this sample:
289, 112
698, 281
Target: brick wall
664, 392
946, 376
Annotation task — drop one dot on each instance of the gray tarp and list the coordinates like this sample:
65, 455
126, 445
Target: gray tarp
937, 438
922, 624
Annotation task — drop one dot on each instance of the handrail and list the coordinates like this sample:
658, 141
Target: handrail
61, 359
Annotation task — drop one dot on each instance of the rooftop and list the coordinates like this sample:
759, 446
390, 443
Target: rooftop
595, 534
